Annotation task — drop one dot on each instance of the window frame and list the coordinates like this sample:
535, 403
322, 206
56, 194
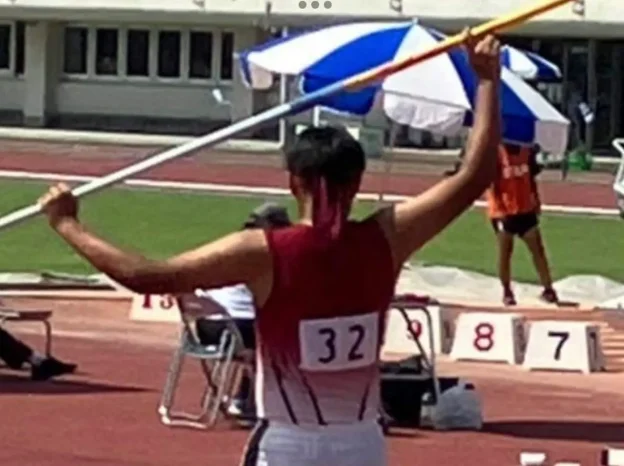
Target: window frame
213, 35
92, 72
10, 71
152, 78
123, 70
90, 54
17, 74
220, 78
182, 60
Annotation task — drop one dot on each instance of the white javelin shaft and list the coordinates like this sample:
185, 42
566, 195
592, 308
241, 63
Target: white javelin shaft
151, 162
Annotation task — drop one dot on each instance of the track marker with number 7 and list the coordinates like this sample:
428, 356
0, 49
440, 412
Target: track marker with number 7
564, 346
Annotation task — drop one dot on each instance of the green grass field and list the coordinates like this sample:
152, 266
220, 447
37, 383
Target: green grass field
163, 223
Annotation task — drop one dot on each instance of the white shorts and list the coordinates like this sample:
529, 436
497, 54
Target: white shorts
274, 444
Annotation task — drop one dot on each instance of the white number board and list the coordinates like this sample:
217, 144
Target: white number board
399, 334
154, 308
564, 346
341, 343
489, 336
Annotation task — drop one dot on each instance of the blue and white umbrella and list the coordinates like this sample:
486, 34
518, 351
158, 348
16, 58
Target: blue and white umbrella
529, 65
436, 95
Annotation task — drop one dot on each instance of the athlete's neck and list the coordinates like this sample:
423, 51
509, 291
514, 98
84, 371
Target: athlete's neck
304, 206
305, 209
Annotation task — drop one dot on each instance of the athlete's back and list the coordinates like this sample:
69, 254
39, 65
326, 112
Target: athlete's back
321, 328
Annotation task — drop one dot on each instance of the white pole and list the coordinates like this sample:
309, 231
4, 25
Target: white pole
283, 90
387, 158
316, 116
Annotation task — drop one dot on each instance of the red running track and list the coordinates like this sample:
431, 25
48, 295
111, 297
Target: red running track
107, 417
251, 170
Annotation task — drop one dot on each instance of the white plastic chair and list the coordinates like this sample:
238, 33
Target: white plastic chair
223, 366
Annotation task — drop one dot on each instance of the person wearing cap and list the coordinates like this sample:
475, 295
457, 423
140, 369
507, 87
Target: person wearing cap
237, 301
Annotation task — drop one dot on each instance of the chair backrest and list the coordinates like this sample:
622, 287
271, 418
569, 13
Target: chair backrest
193, 307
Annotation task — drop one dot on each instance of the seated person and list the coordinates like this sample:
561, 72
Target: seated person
16, 353
238, 302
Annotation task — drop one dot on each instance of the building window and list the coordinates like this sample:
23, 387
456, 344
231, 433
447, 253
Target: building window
94, 51
106, 41
169, 54
75, 50
227, 55
5, 46
137, 53
200, 55
20, 47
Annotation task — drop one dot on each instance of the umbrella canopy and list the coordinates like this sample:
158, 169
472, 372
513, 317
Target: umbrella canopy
436, 95
529, 65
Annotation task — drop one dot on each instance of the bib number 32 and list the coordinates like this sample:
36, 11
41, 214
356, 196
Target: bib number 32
341, 343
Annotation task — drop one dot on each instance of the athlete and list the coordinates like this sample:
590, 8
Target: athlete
321, 287
513, 208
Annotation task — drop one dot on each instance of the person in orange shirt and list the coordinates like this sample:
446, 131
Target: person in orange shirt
514, 208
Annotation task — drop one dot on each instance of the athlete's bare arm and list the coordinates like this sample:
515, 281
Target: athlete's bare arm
410, 224
241, 257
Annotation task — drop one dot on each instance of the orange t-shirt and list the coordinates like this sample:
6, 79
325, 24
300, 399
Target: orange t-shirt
514, 191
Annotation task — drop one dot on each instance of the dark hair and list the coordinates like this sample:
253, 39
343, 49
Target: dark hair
267, 215
327, 152
328, 160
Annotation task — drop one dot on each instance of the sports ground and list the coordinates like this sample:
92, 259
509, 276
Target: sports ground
106, 414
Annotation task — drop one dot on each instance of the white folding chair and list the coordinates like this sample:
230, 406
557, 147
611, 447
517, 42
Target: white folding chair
223, 366
428, 376
419, 303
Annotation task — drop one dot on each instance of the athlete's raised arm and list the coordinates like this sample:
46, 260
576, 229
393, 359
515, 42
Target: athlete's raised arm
240, 257
410, 224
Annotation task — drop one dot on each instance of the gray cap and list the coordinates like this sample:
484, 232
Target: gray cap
268, 215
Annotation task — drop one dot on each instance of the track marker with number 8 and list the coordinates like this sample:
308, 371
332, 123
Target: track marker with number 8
489, 336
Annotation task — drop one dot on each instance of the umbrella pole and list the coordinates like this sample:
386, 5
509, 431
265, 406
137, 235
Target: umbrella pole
387, 157
316, 116
283, 94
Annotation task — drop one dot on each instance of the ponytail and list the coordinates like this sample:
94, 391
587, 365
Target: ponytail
329, 209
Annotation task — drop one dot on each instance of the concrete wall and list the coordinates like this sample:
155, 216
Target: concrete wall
12, 91
137, 99
44, 93
603, 18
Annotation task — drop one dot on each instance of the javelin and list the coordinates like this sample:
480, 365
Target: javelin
295, 106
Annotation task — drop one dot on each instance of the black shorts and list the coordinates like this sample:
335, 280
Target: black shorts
209, 331
517, 225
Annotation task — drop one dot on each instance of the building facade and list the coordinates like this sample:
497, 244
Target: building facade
150, 65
